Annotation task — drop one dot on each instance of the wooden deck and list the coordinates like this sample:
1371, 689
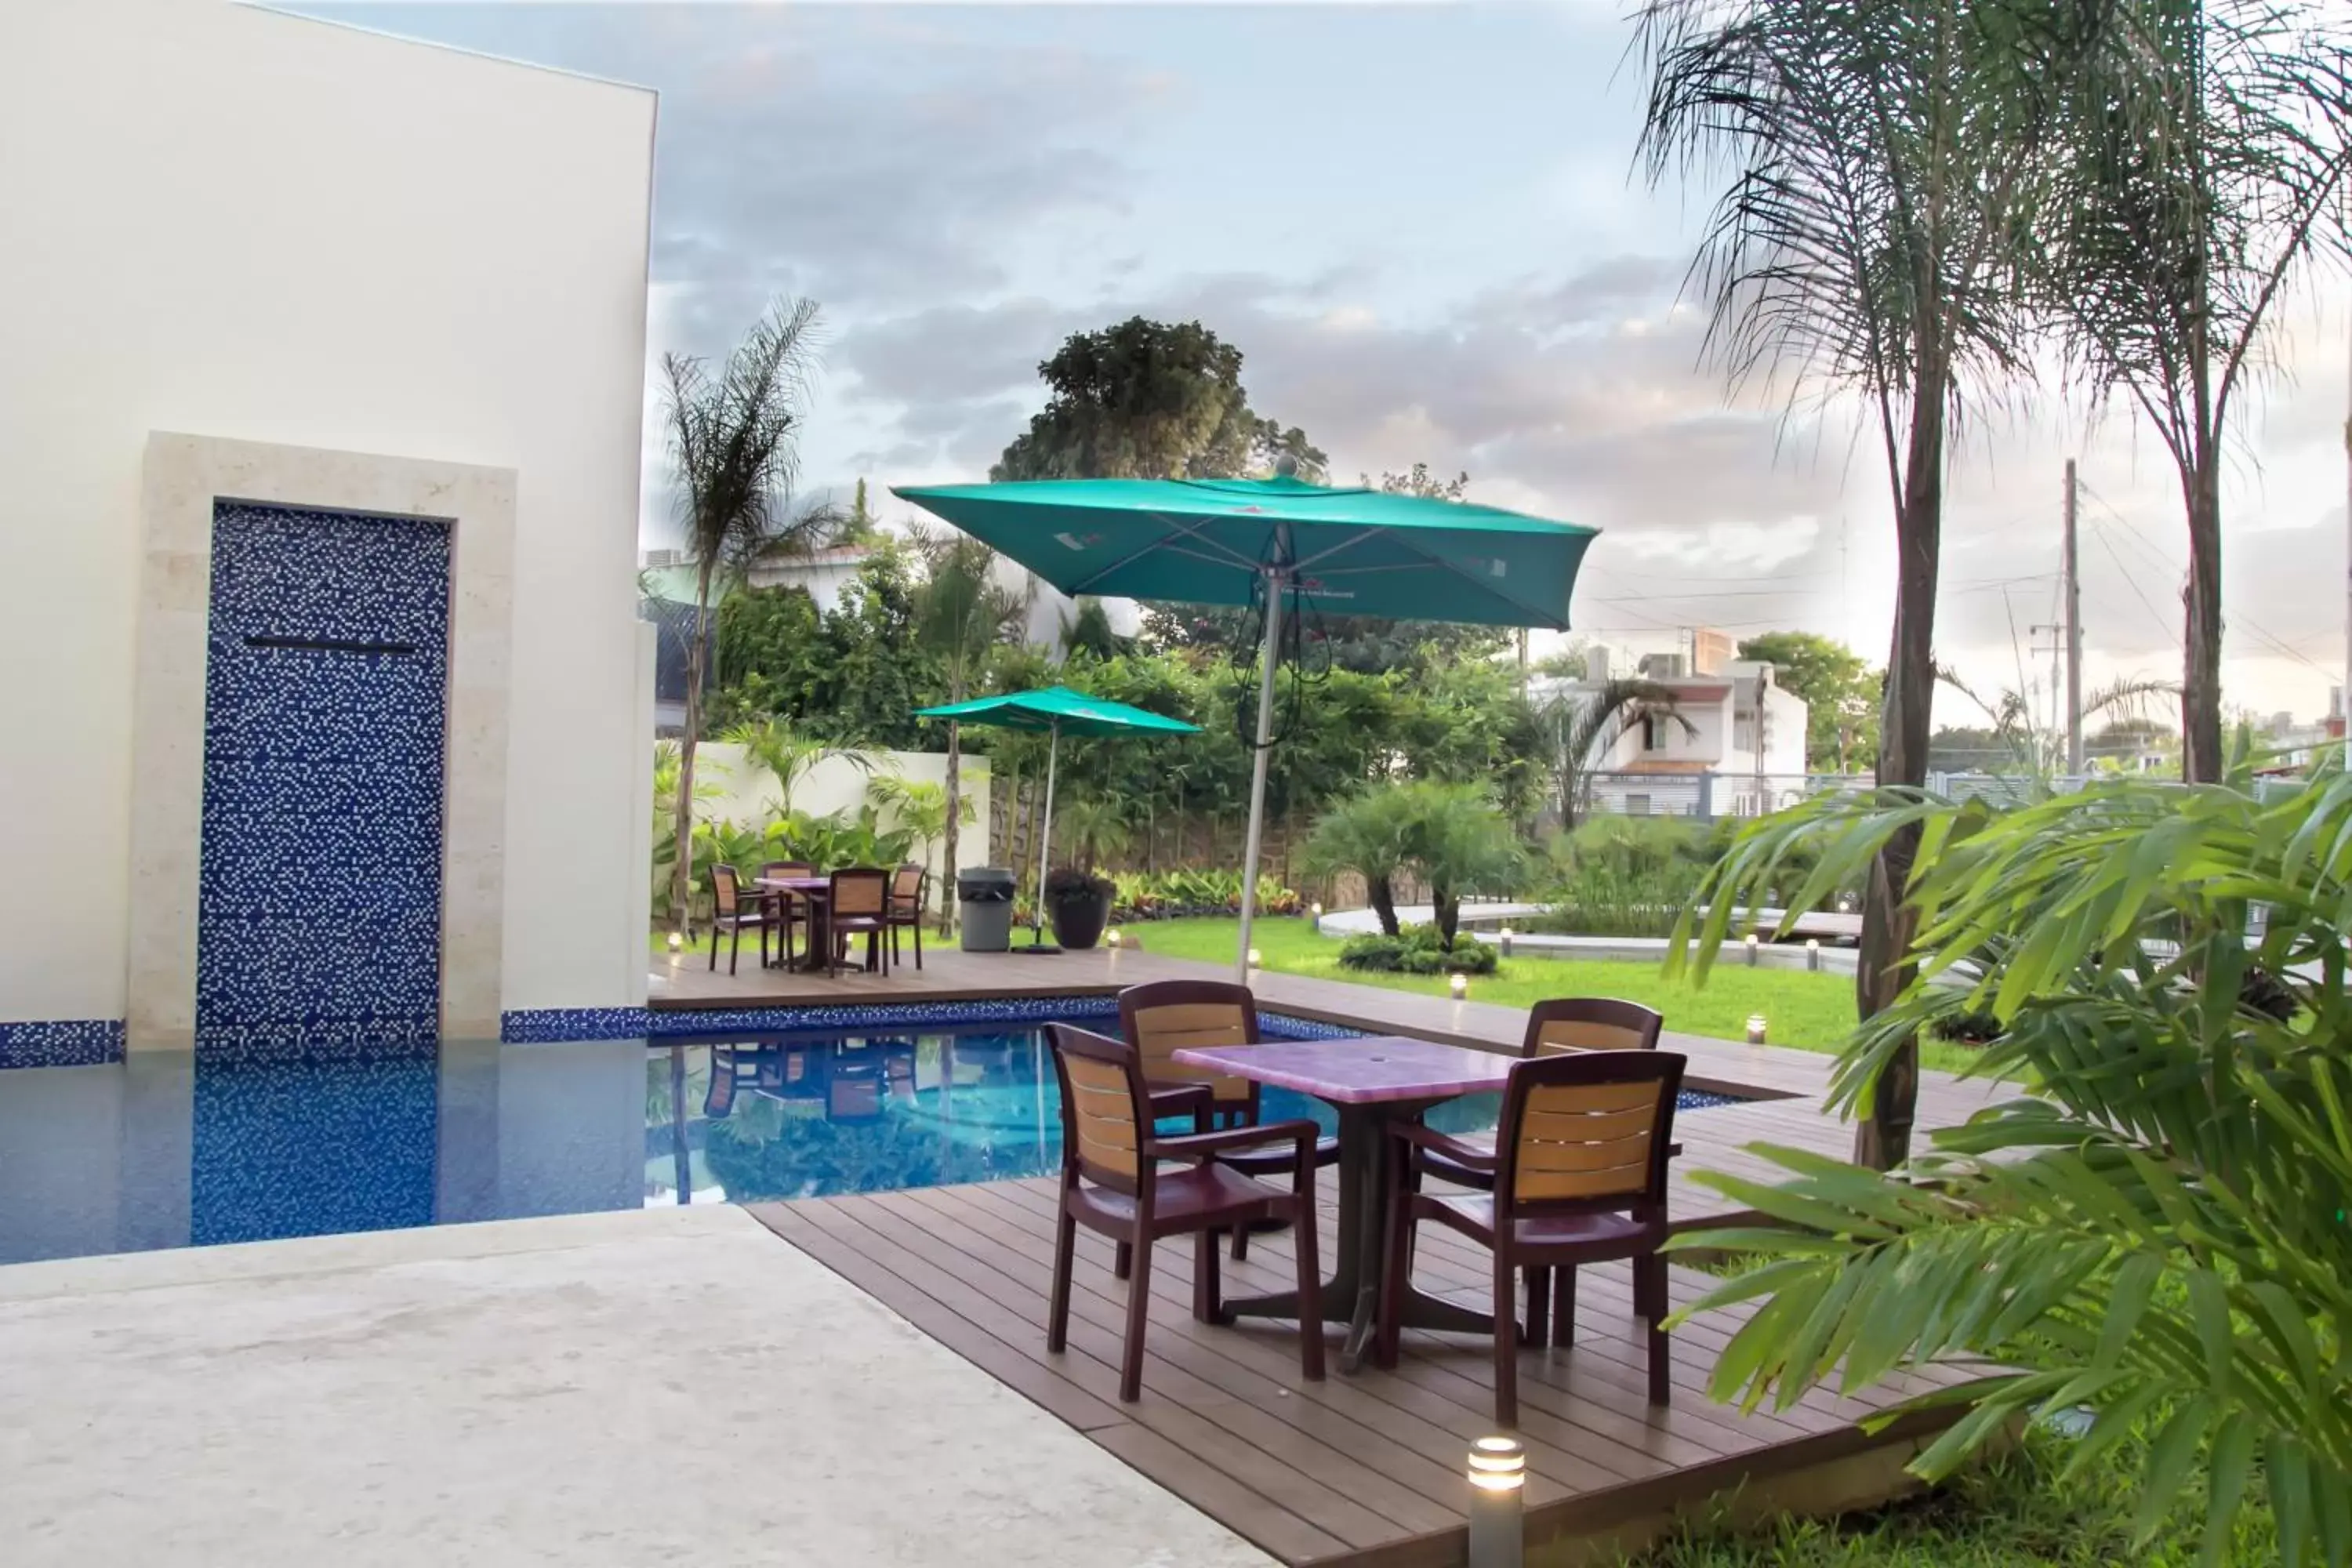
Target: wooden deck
1362, 1470
1365, 1469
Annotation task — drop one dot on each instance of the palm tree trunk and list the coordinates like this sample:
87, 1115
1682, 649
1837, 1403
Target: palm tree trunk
1446, 909
1381, 895
681, 874
2202, 761
1884, 1139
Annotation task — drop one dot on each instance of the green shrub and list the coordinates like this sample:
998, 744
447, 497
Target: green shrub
1417, 950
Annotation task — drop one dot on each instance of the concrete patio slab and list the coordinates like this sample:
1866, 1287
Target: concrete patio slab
614, 1389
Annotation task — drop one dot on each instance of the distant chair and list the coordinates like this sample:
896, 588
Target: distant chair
1164, 1016
1113, 1185
1554, 1028
906, 900
859, 904
1589, 1023
732, 913
1578, 1175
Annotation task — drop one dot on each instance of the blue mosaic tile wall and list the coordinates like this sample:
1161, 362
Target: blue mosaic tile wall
61, 1043
325, 690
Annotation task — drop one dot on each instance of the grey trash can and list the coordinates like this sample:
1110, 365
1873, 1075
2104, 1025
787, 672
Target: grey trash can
984, 907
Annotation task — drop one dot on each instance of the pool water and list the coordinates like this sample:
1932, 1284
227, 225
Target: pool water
166, 1150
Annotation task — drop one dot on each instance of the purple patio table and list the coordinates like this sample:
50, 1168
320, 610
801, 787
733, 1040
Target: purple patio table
1371, 1081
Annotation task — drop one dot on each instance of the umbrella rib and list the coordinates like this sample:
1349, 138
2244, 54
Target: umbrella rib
1225, 555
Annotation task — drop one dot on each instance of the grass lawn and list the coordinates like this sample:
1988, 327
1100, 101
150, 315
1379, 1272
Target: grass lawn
2018, 1512
1812, 1012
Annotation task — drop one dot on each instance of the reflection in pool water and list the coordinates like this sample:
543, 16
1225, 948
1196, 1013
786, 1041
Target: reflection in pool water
163, 1150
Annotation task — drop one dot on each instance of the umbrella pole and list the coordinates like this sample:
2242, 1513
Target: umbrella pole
1045, 839
1257, 771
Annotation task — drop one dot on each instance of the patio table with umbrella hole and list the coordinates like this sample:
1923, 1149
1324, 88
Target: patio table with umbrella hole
1054, 712
1345, 549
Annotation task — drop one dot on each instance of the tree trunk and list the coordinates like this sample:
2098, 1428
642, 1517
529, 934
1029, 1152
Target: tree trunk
1884, 1139
1381, 895
955, 816
2201, 757
1445, 907
681, 874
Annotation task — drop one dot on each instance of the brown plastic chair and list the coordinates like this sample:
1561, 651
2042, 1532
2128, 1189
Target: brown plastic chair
788, 909
1562, 1023
860, 902
1578, 1176
1165, 1016
1559, 1025
732, 913
1112, 1185
906, 900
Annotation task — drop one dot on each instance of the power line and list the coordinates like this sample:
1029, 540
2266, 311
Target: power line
2261, 633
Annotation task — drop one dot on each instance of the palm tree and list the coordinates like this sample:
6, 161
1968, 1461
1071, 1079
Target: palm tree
2209, 160
961, 611
1582, 726
1882, 156
2150, 1223
788, 755
1364, 834
734, 448
2040, 751
1094, 829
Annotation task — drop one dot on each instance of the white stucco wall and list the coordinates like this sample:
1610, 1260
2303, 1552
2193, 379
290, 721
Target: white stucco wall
234, 223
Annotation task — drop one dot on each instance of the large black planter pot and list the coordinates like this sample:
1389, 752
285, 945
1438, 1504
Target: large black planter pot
1078, 917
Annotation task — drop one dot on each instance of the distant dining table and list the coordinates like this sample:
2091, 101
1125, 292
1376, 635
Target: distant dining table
818, 893
1371, 1082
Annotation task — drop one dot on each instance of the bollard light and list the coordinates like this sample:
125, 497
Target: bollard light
1755, 1029
1315, 909
1752, 946
1459, 983
1504, 941
1113, 937
1498, 1479
676, 941
1254, 959
1813, 953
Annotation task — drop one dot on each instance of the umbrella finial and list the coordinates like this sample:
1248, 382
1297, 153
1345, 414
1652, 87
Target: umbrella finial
1286, 467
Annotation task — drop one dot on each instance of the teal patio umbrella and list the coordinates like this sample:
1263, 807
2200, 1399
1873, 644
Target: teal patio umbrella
1343, 549
1055, 712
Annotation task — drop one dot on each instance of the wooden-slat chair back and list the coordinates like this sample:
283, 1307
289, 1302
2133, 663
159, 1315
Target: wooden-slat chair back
907, 885
1588, 1130
1589, 1023
861, 892
1105, 1108
726, 895
788, 868
1165, 1016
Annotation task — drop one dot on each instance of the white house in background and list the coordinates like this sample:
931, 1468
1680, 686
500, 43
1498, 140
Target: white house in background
323, 354
1740, 748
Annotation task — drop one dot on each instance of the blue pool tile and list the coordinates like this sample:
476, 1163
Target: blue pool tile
61, 1043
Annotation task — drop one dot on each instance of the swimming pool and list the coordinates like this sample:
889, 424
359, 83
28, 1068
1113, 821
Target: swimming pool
164, 1150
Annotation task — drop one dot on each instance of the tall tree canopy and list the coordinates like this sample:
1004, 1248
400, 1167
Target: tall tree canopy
1840, 692
1150, 399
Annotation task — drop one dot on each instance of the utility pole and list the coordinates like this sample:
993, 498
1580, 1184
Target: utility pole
2072, 567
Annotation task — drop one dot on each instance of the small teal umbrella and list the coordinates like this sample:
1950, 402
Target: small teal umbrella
1342, 549
1054, 712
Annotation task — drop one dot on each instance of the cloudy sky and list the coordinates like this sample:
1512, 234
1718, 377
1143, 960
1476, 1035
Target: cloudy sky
1422, 227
